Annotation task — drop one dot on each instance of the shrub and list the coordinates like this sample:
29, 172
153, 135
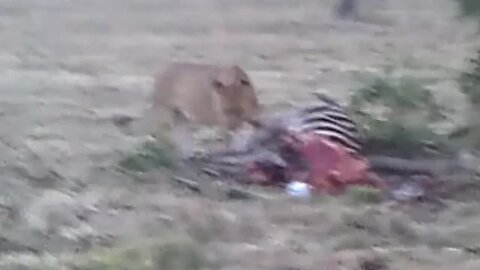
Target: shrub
395, 114
469, 8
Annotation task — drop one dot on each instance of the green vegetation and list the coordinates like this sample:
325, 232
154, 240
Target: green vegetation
148, 156
364, 195
469, 81
168, 254
469, 8
396, 114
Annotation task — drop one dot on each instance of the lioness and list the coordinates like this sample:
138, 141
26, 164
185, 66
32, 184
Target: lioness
202, 94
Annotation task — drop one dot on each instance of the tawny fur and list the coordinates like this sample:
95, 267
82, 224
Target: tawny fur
205, 95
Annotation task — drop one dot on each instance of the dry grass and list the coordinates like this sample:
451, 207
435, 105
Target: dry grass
71, 69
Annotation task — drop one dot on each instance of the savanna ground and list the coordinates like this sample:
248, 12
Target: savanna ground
71, 69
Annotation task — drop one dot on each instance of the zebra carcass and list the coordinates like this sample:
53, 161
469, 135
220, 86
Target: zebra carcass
311, 144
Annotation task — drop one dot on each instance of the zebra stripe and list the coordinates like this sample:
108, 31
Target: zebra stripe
329, 119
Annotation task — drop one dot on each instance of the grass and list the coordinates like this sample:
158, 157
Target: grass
148, 156
469, 8
364, 195
184, 255
176, 252
305, 234
469, 81
396, 114
64, 91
